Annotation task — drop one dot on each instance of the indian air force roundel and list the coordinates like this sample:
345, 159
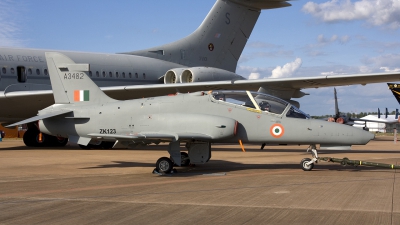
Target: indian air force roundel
277, 130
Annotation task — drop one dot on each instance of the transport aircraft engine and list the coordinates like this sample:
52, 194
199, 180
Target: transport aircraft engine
201, 74
198, 74
173, 76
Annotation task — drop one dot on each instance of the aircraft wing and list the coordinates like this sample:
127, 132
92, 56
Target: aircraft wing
287, 84
282, 84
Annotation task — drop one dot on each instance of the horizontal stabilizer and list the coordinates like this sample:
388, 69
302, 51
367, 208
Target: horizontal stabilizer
40, 117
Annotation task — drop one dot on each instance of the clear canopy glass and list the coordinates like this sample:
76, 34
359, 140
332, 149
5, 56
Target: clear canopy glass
259, 101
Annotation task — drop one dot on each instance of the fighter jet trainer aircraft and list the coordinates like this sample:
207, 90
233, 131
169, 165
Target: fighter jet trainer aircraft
84, 114
204, 60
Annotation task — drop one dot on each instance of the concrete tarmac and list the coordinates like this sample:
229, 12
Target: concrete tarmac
73, 186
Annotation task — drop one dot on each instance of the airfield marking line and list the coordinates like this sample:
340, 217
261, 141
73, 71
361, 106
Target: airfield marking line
200, 204
140, 184
21, 194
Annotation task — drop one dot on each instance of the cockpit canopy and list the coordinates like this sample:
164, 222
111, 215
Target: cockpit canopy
260, 102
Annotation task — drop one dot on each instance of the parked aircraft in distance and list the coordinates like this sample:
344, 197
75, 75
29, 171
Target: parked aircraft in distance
204, 60
339, 117
376, 122
344, 119
83, 113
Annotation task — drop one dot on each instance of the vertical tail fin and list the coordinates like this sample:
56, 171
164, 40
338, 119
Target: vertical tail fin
220, 39
397, 114
386, 113
395, 88
337, 112
379, 113
70, 83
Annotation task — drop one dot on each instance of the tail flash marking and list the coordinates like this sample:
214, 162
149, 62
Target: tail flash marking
81, 95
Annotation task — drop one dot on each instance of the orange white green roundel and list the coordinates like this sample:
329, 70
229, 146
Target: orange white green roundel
277, 130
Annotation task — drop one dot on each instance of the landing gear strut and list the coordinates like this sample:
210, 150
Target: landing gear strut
307, 164
185, 161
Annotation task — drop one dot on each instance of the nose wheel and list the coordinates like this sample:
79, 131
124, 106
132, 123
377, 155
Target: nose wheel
307, 164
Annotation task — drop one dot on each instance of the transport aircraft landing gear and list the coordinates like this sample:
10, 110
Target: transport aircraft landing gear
307, 164
33, 138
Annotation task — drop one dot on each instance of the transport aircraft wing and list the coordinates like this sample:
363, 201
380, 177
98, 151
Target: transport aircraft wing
291, 85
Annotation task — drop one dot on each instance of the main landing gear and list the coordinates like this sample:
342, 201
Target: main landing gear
307, 164
166, 165
33, 138
198, 153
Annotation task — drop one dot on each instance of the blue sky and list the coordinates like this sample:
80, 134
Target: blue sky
310, 38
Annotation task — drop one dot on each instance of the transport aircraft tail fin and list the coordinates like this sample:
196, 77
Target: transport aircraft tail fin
220, 39
70, 82
395, 88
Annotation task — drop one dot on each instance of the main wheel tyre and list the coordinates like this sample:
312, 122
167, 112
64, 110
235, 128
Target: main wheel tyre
56, 141
185, 161
29, 137
85, 147
164, 165
32, 138
106, 144
304, 165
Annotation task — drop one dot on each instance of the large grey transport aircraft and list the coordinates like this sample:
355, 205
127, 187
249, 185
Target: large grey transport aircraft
204, 60
83, 113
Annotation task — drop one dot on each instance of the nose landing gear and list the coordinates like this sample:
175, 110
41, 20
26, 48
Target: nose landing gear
307, 164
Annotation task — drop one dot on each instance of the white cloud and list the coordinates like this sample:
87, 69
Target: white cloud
260, 44
344, 39
376, 12
316, 49
257, 55
254, 76
323, 40
287, 70
387, 69
387, 60
9, 27
330, 73
365, 69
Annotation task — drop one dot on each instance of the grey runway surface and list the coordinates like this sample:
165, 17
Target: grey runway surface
73, 186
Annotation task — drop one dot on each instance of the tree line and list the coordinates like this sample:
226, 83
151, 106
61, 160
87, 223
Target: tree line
355, 115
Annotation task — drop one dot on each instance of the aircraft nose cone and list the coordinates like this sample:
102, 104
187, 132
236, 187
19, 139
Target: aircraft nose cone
364, 136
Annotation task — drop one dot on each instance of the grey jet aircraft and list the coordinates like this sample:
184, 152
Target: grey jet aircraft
84, 114
206, 59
